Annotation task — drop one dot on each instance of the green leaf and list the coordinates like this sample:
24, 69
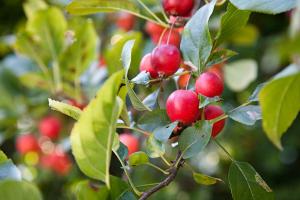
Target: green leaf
246, 114
126, 61
254, 96
35, 80
81, 50
87, 190
279, 100
93, 135
127, 196
151, 99
31, 6
239, 74
118, 187
205, 180
122, 151
19, 190
154, 148
3, 157
194, 139
162, 133
206, 101
142, 78
246, 184
196, 42
150, 120
9, 171
220, 56
231, 22
138, 158
265, 6
84, 7
65, 108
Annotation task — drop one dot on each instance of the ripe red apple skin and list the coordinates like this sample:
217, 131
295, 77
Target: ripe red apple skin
174, 38
59, 162
166, 59
183, 106
146, 65
217, 69
130, 141
178, 7
209, 84
153, 28
212, 112
50, 127
183, 81
27, 143
125, 21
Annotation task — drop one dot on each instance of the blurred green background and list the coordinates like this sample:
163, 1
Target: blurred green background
22, 107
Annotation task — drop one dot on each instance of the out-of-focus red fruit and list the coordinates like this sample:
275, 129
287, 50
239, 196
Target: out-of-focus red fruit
57, 161
73, 102
101, 62
209, 84
166, 59
217, 69
183, 106
125, 21
171, 37
27, 143
183, 81
178, 7
212, 112
130, 141
146, 65
153, 28
50, 127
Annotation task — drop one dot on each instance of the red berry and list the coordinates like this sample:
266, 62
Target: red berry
101, 62
209, 84
57, 161
217, 69
178, 7
125, 21
183, 81
166, 59
212, 112
174, 38
147, 66
153, 28
50, 127
130, 141
27, 143
183, 106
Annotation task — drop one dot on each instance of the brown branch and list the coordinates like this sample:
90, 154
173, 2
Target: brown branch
173, 172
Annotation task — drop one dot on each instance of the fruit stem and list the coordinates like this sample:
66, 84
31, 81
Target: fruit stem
134, 129
223, 148
135, 190
165, 160
158, 168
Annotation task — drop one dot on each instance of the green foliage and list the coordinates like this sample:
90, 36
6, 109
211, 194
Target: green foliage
204, 179
138, 158
220, 56
65, 108
154, 148
194, 139
232, 21
245, 183
196, 42
246, 114
86, 190
92, 136
279, 100
19, 190
3, 157
150, 120
239, 74
162, 133
265, 6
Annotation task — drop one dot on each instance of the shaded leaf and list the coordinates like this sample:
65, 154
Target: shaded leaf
246, 114
151, 99
86, 190
3, 157
220, 56
150, 120
122, 151
65, 108
142, 78
206, 101
154, 148
162, 133
254, 96
138, 158
204, 179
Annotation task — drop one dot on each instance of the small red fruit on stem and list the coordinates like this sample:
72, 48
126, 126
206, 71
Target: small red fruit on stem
27, 143
178, 7
146, 65
130, 141
50, 127
209, 84
125, 21
212, 112
183, 106
166, 59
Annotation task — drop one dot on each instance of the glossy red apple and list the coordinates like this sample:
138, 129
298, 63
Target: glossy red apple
130, 141
212, 112
50, 127
146, 65
209, 84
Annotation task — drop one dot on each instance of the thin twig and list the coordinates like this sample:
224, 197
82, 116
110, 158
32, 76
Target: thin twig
173, 172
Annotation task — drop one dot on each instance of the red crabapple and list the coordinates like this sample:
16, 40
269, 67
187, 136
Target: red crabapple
209, 84
146, 65
50, 127
212, 112
178, 7
125, 21
183, 106
171, 37
130, 141
166, 59
27, 143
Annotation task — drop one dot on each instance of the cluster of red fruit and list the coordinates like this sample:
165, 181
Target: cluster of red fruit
50, 156
165, 60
